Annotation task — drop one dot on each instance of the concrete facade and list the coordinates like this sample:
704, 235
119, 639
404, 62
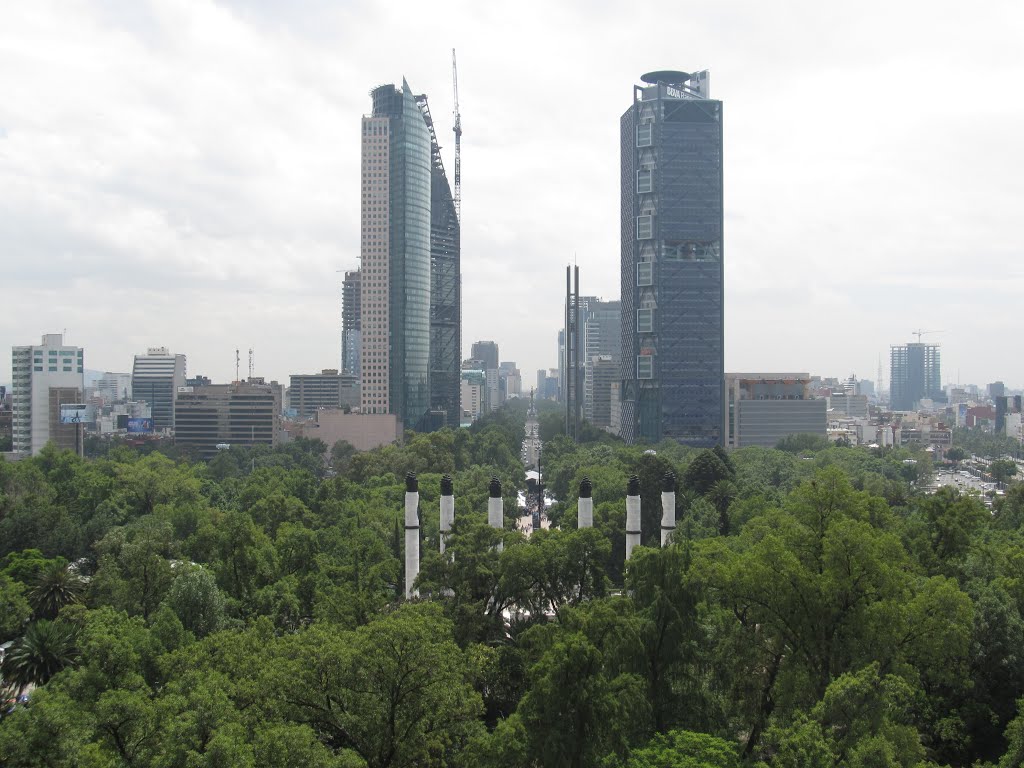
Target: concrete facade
364, 431
763, 408
45, 377
328, 389
232, 414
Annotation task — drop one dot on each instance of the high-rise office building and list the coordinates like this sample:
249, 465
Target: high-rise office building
602, 372
445, 288
242, 413
308, 393
45, 377
156, 377
395, 248
914, 374
602, 338
598, 334
351, 316
672, 277
487, 353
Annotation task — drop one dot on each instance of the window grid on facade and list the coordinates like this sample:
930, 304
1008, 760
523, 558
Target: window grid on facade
643, 181
644, 134
645, 366
645, 321
644, 227
645, 273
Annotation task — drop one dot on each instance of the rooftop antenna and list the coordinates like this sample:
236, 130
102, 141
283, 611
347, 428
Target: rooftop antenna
250, 363
237, 360
458, 139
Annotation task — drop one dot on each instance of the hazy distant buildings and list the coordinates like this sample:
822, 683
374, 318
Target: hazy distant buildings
473, 384
602, 338
1006, 406
671, 268
227, 414
849, 405
915, 374
763, 408
156, 377
486, 352
45, 377
351, 317
602, 373
112, 387
395, 250
511, 383
484, 357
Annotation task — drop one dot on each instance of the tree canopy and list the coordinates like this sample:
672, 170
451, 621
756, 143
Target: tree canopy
816, 606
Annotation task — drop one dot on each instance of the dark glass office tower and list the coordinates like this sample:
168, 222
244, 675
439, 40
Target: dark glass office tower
673, 361
395, 257
445, 290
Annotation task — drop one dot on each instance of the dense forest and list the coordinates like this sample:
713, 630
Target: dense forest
816, 609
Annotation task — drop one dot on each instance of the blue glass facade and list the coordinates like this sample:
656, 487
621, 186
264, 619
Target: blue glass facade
409, 177
673, 361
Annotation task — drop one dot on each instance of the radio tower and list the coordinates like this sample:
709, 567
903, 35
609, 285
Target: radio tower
458, 139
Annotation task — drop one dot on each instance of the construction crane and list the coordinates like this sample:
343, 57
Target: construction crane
919, 333
458, 140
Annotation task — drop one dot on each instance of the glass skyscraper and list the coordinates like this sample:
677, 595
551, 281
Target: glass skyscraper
445, 291
395, 257
673, 364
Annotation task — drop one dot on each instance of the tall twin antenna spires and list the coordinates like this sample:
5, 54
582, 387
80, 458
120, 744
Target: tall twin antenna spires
458, 140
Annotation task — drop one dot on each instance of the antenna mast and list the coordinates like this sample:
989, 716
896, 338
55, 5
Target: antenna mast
458, 140
250, 364
237, 359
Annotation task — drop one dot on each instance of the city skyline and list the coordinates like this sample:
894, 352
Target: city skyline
183, 175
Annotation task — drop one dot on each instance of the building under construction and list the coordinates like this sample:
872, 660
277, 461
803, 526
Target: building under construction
915, 374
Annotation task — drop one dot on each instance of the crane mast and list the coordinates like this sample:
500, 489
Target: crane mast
458, 140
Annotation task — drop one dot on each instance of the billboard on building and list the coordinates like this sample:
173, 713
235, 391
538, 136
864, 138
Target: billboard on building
74, 413
138, 426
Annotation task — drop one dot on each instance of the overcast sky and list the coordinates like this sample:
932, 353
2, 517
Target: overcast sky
185, 173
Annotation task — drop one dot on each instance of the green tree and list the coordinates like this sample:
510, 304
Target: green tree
342, 453
1002, 469
802, 443
574, 712
56, 586
395, 691
197, 601
670, 632
45, 649
956, 454
135, 569
685, 749
704, 471
14, 608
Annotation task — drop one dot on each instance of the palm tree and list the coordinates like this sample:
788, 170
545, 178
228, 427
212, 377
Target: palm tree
43, 651
57, 585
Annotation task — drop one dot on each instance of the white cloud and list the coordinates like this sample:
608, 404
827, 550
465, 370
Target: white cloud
184, 172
